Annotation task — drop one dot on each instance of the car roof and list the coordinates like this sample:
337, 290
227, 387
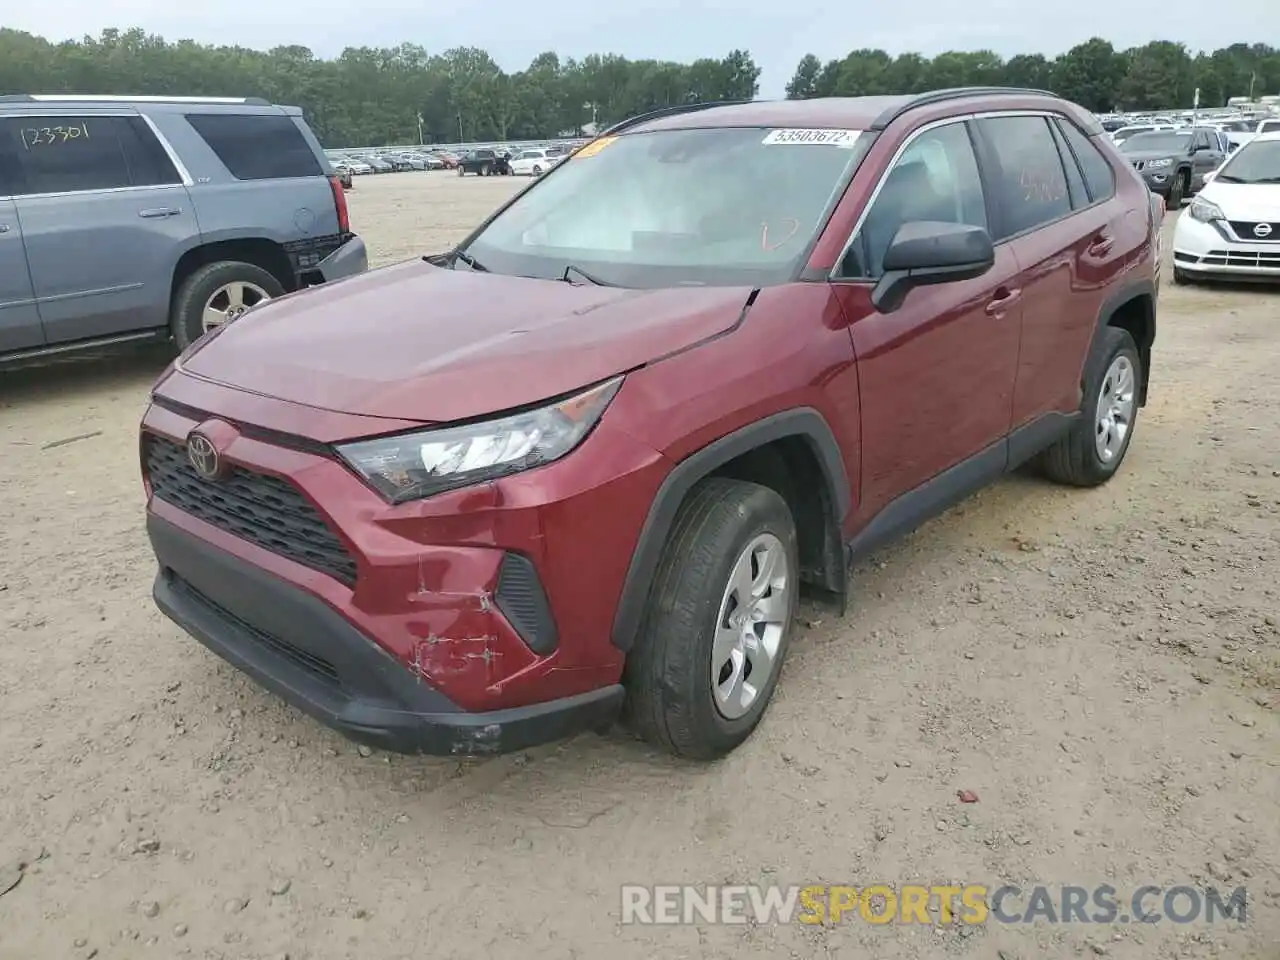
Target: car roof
848, 113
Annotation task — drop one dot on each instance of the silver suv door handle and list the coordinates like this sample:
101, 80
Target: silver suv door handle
157, 212
4, 228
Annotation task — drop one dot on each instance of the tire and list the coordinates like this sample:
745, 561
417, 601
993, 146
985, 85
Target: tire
1180, 278
537, 170
1075, 459
1177, 190
671, 695
484, 171
187, 315
461, 171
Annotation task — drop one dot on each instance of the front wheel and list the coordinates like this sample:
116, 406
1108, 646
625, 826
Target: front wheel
1177, 190
1091, 453
721, 611
537, 170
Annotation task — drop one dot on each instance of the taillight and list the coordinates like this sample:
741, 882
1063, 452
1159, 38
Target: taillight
340, 202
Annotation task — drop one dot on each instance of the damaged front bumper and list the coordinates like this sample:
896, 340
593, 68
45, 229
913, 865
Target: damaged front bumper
297, 646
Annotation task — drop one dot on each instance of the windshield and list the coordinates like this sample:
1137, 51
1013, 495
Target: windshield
1256, 162
713, 206
1173, 141
531, 155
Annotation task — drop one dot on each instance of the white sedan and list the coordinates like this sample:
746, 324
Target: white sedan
533, 163
1232, 228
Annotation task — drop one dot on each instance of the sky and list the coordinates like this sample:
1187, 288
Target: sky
776, 32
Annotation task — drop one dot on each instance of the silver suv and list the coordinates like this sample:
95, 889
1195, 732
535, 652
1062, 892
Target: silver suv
133, 218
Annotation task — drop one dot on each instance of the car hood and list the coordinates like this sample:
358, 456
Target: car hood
1251, 202
424, 343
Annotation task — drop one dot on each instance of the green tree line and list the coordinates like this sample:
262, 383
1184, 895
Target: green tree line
367, 96
1161, 75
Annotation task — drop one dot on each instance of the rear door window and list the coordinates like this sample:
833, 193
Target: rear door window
1075, 180
1030, 183
257, 146
1098, 175
74, 154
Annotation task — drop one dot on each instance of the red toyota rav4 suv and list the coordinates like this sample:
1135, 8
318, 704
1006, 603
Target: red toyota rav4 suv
583, 464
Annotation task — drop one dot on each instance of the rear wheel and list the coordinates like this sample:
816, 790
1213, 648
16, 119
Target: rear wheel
712, 644
461, 171
484, 171
1091, 453
217, 293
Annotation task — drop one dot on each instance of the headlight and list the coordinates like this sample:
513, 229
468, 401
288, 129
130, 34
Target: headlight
1206, 212
410, 466
1159, 163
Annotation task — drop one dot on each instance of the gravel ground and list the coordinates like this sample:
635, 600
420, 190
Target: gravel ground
1102, 668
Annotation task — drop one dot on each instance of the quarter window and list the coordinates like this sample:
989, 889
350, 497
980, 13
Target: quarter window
936, 178
1098, 175
257, 146
1030, 183
68, 154
1075, 181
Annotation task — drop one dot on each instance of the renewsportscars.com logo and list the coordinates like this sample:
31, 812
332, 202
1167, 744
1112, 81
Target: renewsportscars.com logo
970, 904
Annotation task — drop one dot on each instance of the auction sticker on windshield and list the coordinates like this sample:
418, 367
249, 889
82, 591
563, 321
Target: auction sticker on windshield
829, 138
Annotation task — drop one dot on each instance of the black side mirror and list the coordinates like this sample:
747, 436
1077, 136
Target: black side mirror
1201, 148
926, 252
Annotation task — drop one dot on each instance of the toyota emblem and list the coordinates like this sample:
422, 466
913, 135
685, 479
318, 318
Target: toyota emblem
1262, 230
203, 456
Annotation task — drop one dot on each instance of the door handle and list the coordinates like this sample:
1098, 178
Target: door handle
155, 213
1001, 302
1101, 245
4, 228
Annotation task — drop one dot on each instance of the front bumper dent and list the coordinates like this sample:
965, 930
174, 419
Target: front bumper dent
297, 646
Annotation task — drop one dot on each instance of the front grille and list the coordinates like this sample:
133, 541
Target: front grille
1244, 230
317, 666
1265, 259
262, 509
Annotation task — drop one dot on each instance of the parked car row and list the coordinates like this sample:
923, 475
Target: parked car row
500, 159
362, 164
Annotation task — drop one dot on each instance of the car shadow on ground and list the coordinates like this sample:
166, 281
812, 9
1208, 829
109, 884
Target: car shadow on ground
84, 375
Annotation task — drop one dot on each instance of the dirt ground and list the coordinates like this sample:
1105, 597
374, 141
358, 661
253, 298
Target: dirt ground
1102, 668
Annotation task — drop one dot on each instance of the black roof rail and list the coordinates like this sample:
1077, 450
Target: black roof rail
952, 93
672, 111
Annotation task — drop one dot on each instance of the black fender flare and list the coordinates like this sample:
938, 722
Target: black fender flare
804, 422
1127, 294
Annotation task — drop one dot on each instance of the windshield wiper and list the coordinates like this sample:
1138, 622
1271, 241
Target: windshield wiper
470, 261
590, 278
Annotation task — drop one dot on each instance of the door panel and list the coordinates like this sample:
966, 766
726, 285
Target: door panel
936, 377
1065, 250
19, 318
1065, 270
102, 263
